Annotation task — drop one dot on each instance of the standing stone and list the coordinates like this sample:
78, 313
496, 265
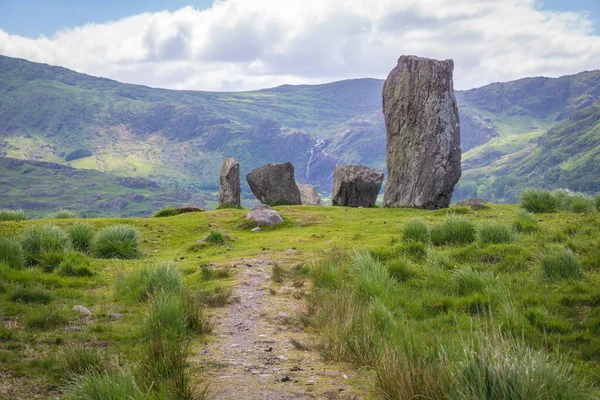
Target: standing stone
229, 194
274, 184
356, 185
309, 195
422, 132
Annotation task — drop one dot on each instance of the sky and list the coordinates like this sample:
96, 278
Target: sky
230, 45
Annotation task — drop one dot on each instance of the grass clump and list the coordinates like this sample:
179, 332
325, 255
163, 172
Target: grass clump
75, 264
172, 211
82, 236
11, 253
494, 233
539, 201
217, 297
467, 281
196, 320
12, 215
45, 318
525, 222
139, 286
117, 241
453, 231
401, 270
215, 236
416, 231
44, 244
560, 263
107, 385
30, 294
278, 274
79, 360
61, 214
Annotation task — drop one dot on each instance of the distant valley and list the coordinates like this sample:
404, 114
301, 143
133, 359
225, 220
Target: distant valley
59, 123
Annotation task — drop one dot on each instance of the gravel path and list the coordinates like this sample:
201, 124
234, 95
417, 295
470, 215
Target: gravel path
253, 356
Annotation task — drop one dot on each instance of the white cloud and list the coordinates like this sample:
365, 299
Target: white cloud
251, 44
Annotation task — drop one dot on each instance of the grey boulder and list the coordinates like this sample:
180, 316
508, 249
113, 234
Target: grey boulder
309, 195
356, 185
229, 193
263, 215
274, 184
422, 134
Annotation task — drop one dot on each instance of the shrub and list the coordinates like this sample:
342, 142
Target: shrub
149, 280
494, 233
11, 253
82, 236
560, 263
61, 214
43, 243
453, 231
79, 360
45, 318
400, 270
539, 201
525, 222
417, 231
77, 154
117, 241
12, 215
30, 294
75, 264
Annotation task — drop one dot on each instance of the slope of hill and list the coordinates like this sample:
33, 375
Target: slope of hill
179, 138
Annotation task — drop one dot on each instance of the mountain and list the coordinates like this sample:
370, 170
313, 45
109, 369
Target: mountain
179, 138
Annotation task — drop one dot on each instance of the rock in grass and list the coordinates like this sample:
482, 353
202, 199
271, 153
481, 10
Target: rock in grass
476, 204
264, 215
422, 134
274, 184
309, 195
83, 310
356, 185
229, 193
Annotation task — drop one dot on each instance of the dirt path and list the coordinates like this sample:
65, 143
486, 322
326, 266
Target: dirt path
253, 356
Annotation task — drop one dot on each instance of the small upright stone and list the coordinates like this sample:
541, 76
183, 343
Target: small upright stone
309, 195
229, 193
422, 134
274, 184
356, 185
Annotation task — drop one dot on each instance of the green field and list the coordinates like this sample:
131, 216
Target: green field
485, 298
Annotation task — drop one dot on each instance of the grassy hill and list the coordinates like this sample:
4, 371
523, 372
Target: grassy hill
179, 138
396, 310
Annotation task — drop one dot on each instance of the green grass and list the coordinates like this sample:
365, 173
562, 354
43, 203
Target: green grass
525, 222
44, 244
45, 318
140, 285
75, 264
453, 231
30, 294
494, 233
172, 211
11, 253
560, 263
417, 231
539, 201
82, 236
61, 214
117, 241
12, 215
107, 385
401, 270
80, 360
215, 237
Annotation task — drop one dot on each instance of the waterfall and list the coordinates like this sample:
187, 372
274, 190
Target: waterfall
308, 164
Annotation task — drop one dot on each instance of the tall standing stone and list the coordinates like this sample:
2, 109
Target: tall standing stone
229, 193
356, 185
422, 134
274, 184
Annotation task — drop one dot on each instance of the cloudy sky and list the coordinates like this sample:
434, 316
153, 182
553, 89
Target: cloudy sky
230, 45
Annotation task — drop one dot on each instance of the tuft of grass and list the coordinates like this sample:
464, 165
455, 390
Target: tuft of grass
467, 281
215, 237
44, 243
45, 318
12, 215
525, 222
80, 360
75, 264
401, 270
580, 203
50, 260
82, 236
218, 297
278, 274
172, 211
209, 273
61, 214
560, 263
416, 231
140, 285
228, 206
196, 319
494, 233
453, 231
117, 241
107, 386
539, 201
11, 253
30, 294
